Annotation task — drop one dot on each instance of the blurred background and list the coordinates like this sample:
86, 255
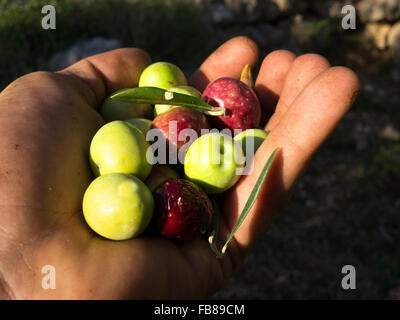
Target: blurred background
346, 207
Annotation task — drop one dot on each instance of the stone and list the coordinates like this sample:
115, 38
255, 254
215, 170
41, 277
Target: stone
246, 10
330, 9
203, 2
378, 34
251, 11
270, 11
394, 39
82, 50
220, 14
291, 6
378, 10
283, 5
390, 133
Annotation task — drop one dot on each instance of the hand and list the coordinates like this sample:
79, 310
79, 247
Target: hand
46, 123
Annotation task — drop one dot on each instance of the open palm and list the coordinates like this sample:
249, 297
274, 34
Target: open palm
47, 121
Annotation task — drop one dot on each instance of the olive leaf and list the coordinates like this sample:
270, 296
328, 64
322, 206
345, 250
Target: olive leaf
249, 204
153, 95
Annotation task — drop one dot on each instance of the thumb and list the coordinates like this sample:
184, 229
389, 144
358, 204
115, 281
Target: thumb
107, 72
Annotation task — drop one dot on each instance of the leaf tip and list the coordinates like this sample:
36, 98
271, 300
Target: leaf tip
246, 76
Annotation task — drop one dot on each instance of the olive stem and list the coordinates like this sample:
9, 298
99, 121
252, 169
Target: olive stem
246, 76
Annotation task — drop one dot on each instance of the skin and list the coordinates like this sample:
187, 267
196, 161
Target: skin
53, 117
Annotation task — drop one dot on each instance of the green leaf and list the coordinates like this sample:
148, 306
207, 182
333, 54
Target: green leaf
153, 95
249, 204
